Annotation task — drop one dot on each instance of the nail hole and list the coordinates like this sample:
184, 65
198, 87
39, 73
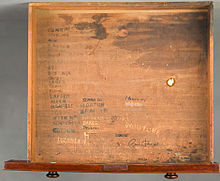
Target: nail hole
171, 82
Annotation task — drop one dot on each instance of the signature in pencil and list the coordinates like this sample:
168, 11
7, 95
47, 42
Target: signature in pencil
134, 143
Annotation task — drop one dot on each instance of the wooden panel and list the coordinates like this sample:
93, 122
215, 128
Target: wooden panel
140, 168
98, 83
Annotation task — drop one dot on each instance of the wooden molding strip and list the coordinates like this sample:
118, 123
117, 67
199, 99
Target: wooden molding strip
24, 165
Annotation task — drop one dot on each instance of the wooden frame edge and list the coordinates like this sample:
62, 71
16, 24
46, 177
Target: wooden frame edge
23, 165
210, 83
31, 86
29, 111
182, 5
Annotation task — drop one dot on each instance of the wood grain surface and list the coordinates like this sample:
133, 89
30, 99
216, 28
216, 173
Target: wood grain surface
24, 165
120, 83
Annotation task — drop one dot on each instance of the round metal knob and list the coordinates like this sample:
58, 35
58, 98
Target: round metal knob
171, 176
52, 174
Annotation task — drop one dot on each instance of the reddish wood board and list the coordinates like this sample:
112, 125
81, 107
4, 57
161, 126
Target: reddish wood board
24, 165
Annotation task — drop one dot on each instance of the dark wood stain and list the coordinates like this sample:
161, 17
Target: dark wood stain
181, 38
100, 30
